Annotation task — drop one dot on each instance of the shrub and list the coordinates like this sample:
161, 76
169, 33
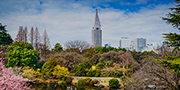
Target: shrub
98, 73
22, 54
91, 73
31, 73
95, 81
48, 68
80, 82
10, 81
60, 71
80, 70
113, 83
86, 81
68, 80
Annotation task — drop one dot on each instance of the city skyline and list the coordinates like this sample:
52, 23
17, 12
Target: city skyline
73, 20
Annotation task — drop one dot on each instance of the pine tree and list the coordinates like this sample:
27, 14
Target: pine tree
173, 18
5, 38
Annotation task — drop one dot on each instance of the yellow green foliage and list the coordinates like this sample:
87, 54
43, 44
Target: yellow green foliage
31, 73
61, 71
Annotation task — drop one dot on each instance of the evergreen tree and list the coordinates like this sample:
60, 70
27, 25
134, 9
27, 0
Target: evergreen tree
173, 18
5, 38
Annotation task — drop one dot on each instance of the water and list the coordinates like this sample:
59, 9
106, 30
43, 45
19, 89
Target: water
66, 87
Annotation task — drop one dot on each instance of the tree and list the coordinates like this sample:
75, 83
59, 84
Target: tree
46, 44
173, 18
22, 34
37, 39
31, 34
10, 81
58, 48
48, 68
19, 36
81, 45
5, 38
151, 73
25, 33
22, 54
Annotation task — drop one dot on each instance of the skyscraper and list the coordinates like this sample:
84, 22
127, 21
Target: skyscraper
139, 44
96, 32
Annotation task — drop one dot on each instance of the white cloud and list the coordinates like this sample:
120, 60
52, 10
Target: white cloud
65, 21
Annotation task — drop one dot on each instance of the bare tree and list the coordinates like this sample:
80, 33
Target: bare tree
77, 44
19, 36
37, 39
152, 73
25, 33
46, 43
31, 34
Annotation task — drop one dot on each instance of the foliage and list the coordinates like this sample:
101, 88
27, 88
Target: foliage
86, 81
68, 80
91, 73
22, 54
60, 71
173, 18
10, 81
31, 73
113, 83
100, 65
173, 39
80, 82
48, 68
58, 48
80, 70
5, 38
171, 65
99, 50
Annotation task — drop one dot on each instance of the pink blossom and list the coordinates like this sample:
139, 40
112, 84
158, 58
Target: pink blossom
10, 81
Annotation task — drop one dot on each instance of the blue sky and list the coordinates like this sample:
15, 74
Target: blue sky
68, 20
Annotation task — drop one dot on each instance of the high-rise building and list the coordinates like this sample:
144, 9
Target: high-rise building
96, 32
125, 42
139, 44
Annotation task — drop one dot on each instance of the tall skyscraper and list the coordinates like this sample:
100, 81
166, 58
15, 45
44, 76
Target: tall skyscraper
139, 44
96, 32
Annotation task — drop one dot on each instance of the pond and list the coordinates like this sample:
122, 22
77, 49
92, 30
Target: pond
66, 87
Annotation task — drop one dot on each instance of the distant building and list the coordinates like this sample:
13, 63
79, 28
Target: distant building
139, 44
150, 47
96, 32
107, 45
125, 42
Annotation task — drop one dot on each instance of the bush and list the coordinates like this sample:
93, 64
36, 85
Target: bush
91, 73
22, 54
68, 80
48, 68
10, 81
80, 82
98, 73
80, 70
113, 83
31, 73
95, 81
87, 81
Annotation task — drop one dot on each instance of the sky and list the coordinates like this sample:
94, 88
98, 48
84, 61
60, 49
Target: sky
69, 20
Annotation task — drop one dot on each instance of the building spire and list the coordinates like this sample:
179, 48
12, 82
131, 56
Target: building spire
97, 22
